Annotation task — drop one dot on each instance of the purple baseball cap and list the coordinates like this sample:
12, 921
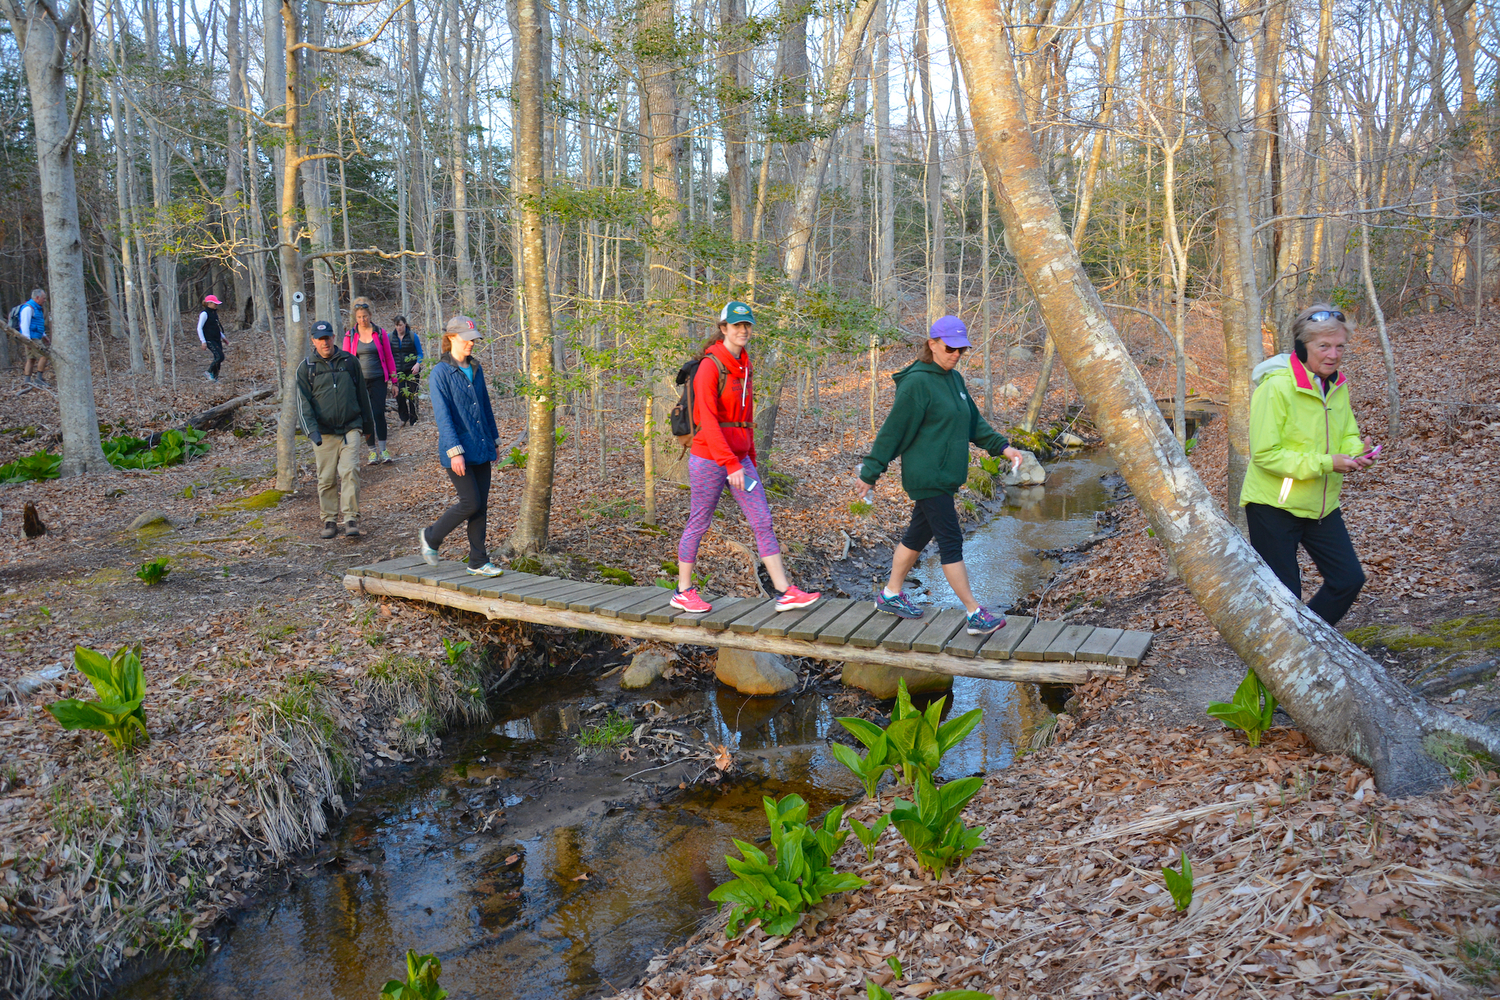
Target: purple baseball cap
951, 331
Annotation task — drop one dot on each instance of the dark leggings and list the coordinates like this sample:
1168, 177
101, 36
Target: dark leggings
407, 386
376, 389
936, 517
473, 504
216, 349
1276, 533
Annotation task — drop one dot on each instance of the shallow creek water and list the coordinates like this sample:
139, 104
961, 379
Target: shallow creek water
599, 886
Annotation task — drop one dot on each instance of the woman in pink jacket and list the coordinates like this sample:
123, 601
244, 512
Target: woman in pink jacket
372, 348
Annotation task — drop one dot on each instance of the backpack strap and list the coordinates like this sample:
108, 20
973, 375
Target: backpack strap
723, 375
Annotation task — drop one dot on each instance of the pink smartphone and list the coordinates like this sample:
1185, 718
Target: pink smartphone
1373, 452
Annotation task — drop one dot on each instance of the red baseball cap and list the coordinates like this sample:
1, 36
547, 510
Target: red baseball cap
212, 300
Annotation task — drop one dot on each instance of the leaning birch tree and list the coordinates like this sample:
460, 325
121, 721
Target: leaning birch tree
1342, 699
48, 39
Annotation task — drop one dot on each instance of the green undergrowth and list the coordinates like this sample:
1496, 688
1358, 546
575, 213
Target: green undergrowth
427, 695
1464, 760
609, 733
123, 452
263, 500
1471, 634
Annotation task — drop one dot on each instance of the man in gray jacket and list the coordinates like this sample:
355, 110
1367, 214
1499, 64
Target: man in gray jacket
333, 409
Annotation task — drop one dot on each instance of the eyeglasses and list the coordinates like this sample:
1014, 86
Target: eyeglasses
1323, 315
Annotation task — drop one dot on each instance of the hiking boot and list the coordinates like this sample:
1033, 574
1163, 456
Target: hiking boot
374, 458
488, 569
689, 601
351, 529
792, 598
983, 622
385, 457
330, 530
429, 554
900, 605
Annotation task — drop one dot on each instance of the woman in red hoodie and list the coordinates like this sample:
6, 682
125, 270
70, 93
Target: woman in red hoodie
723, 452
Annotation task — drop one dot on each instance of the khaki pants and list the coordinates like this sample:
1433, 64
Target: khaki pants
339, 458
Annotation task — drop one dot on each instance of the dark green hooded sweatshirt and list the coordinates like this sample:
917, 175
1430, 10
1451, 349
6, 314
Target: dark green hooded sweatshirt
930, 426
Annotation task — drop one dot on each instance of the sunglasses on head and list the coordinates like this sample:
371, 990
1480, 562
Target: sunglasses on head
1322, 315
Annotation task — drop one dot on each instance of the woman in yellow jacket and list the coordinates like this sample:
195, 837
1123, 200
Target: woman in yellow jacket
1303, 439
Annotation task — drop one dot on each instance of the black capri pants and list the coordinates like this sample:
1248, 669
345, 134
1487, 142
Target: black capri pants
936, 517
1276, 533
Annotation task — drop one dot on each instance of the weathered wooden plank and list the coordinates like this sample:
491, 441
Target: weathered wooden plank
1129, 649
754, 615
838, 631
824, 612
783, 622
628, 596
655, 601
1002, 644
1034, 646
964, 644
411, 573
905, 631
1065, 646
694, 620
664, 615
1099, 643
943, 626
586, 598
868, 635
515, 586
450, 575
722, 614
538, 597
391, 569
486, 587
1056, 672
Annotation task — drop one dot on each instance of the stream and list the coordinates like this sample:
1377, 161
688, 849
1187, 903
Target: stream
582, 883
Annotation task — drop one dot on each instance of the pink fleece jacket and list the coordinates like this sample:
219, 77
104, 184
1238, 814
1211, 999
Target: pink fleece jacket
382, 348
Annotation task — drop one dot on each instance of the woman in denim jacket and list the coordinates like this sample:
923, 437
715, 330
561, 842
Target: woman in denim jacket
467, 443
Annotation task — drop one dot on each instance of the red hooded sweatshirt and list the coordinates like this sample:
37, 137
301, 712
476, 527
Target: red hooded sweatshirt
712, 409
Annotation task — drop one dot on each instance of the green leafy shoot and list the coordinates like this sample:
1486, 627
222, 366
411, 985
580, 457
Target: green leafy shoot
1180, 883
611, 732
777, 893
869, 768
1251, 709
861, 508
515, 460
120, 683
895, 964
930, 823
153, 572
455, 651
990, 464
870, 835
421, 980
919, 739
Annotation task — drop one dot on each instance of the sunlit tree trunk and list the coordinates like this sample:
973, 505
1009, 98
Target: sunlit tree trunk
937, 267
1343, 700
530, 533
458, 154
45, 40
122, 198
734, 112
294, 308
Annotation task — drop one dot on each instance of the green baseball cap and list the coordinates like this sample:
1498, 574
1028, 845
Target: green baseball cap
736, 312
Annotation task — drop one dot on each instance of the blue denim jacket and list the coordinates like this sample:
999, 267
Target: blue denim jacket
461, 410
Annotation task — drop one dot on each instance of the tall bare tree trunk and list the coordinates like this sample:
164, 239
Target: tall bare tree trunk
233, 207
282, 66
458, 155
1341, 698
317, 193
937, 267
530, 533
122, 199
735, 96
1218, 89
44, 40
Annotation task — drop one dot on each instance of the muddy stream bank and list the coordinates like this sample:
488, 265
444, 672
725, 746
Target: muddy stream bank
537, 869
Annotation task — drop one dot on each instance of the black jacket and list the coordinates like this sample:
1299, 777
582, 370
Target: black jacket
331, 397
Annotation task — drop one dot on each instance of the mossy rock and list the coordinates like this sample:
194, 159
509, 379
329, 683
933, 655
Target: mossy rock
616, 575
263, 500
1473, 633
1036, 442
981, 482
527, 564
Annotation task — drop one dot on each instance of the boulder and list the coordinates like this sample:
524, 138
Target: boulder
1019, 353
1009, 391
151, 517
1030, 473
1067, 439
645, 670
881, 680
754, 672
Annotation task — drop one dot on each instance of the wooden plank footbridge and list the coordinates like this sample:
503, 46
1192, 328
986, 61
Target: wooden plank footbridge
832, 629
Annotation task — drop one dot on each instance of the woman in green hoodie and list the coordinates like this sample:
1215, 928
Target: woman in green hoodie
930, 426
1303, 439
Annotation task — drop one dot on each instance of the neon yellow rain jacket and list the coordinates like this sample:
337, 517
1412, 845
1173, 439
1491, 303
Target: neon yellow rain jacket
1294, 434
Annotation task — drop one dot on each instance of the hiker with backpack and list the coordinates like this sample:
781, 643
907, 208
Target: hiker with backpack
211, 335
718, 408
372, 346
931, 424
28, 320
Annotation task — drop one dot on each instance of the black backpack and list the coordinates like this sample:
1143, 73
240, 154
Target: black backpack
683, 426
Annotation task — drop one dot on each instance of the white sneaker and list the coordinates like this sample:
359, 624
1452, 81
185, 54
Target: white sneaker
429, 554
488, 569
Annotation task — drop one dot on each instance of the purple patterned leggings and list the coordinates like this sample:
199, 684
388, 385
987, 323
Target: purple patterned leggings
707, 479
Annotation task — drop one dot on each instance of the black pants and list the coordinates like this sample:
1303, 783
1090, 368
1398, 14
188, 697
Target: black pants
376, 388
473, 505
1275, 534
216, 348
936, 516
407, 387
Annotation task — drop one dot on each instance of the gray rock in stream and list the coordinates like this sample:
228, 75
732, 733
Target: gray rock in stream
882, 681
754, 672
1030, 473
645, 670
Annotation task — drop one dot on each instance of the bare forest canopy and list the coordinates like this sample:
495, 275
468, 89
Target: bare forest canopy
676, 139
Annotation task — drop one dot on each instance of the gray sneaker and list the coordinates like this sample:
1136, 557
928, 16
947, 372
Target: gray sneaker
983, 622
901, 606
488, 569
429, 554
